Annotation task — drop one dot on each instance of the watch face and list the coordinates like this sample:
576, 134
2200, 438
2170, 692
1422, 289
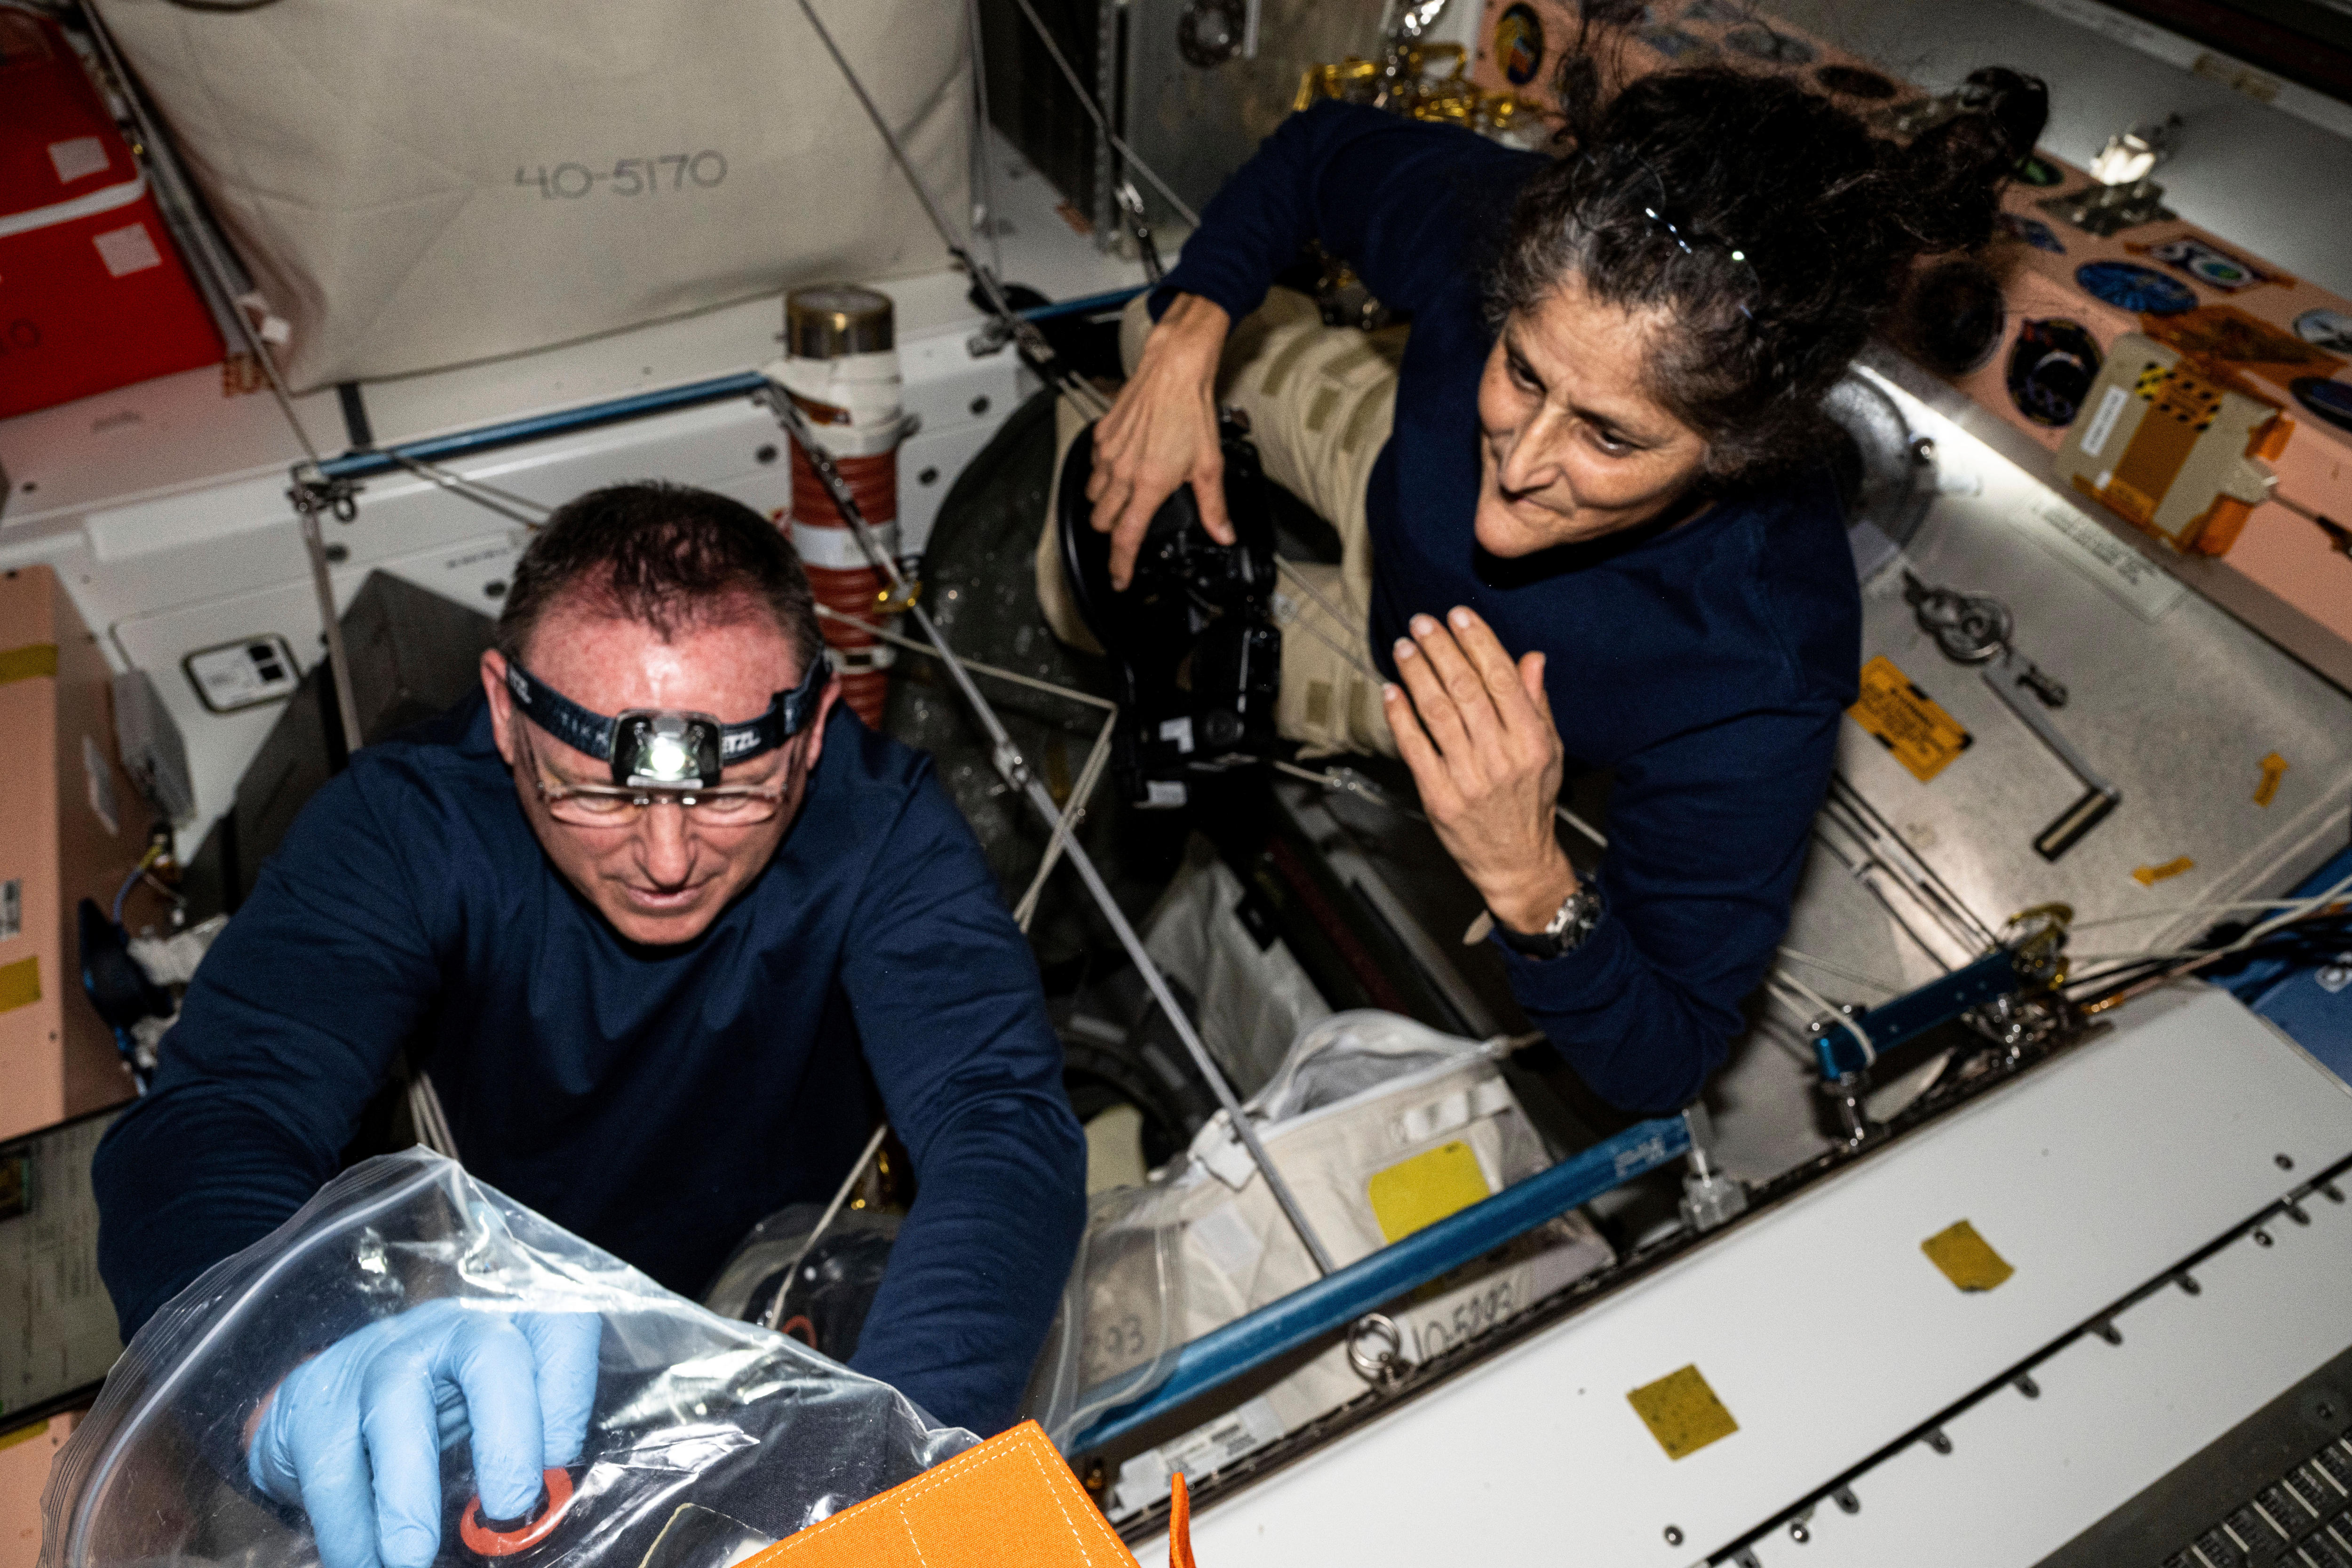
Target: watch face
1563, 933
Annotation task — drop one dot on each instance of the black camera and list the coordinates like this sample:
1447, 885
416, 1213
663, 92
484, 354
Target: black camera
1198, 654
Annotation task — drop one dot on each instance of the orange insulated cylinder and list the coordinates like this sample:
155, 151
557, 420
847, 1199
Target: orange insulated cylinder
841, 370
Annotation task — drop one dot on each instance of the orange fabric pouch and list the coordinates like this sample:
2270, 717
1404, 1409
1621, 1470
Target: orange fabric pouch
1012, 1500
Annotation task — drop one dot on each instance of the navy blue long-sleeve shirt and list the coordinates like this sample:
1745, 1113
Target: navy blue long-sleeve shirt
1707, 664
656, 1101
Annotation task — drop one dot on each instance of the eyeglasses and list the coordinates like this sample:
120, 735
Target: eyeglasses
610, 806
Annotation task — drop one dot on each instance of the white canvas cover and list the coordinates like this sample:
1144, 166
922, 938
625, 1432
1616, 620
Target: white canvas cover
417, 183
1359, 1094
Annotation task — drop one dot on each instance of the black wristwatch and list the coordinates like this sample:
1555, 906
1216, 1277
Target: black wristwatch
1567, 930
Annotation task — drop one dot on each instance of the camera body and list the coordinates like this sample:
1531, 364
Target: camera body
1192, 637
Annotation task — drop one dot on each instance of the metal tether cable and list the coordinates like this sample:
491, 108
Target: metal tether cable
982, 164
1032, 343
775, 1313
488, 496
1087, 102
306, 509
1089, 776
1010, 763
1015, 770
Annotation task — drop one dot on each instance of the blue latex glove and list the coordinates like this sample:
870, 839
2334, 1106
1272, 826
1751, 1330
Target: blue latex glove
354, 1435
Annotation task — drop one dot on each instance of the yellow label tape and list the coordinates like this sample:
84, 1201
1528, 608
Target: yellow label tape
2273, 769
20, 983
1421, 1191
1967, 1260
23, 1434
2149, 875
1681, 1412
1906, 720
30, 662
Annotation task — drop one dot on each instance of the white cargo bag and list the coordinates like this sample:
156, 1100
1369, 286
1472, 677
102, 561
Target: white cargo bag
1379, 1125
417, 183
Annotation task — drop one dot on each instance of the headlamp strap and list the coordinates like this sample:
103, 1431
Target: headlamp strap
593, 734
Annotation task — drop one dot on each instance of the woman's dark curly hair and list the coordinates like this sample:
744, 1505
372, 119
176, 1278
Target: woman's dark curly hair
1773, 230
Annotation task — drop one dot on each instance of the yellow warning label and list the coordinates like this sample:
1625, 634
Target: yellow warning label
2273, 770
30, 662
1681, 1412
1424, 1189
2149, 875
20, 983
1906, 721
1967, 1258
23, 1434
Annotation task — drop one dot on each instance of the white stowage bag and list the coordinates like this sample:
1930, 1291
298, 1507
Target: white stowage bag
417, 183
1379, 1125
699, 1422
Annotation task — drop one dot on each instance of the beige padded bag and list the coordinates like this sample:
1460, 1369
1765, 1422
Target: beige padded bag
417, 183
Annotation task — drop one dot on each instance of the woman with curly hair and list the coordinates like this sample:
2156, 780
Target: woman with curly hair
1582, 502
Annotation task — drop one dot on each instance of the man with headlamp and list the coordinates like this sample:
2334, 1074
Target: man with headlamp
668, 932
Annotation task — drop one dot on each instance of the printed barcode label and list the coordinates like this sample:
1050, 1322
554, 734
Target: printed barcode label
2103, 423
2143, 587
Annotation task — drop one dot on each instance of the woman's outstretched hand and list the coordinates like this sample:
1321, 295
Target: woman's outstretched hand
1479, 737
1162, 433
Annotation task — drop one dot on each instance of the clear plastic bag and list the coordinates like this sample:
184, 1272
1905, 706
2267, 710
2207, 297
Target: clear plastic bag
1203, 1243
690, 1406
836, 1275
1121, 1322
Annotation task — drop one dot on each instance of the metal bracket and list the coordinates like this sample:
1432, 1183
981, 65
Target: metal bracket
990, 340
1381, 1367
1845, 1093
314, 493
1024, 781
1711, 1197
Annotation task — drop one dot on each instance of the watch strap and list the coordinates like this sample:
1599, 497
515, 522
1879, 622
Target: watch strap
1566, 930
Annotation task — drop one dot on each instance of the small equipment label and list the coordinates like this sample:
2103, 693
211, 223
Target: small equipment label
1906, 720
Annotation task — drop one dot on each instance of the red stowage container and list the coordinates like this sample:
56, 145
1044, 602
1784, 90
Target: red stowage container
93, 296
837, 572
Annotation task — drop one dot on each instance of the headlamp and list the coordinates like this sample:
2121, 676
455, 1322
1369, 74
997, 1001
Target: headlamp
667, 748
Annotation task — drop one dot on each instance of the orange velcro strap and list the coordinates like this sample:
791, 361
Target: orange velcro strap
1179, 1523
1012, 1500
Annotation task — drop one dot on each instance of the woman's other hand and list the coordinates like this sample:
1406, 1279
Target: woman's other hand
1479, 737
1162, 433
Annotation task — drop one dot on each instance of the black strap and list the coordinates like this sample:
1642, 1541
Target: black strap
591, 733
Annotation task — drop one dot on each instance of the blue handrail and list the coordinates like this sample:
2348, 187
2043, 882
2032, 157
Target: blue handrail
364, 464
1913, 1013
369, 462
1102, 301
1340, 1298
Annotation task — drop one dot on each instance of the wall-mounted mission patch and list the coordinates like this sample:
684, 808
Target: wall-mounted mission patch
2214, 268
2330, 330
2330, 400
2051, 369
1519, 45
2142, 290
2035, 233
2225, 334
1675, 44
1760, 42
